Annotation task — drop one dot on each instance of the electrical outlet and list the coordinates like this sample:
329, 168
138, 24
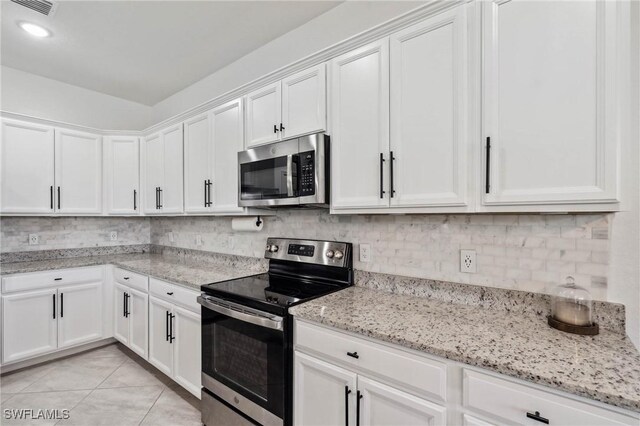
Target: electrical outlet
113, 235
468, 261
365, 253
170, 237
198, 240
34, 239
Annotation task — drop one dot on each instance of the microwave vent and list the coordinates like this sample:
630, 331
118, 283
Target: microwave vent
41, 6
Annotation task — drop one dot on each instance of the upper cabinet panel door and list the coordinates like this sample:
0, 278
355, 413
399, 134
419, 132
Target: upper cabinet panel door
360, 127
198, 160
304, 107
27, 168
550, 102
226, 128
152, 172
122, 165
78, 172
171, 195
263, 115
428, 155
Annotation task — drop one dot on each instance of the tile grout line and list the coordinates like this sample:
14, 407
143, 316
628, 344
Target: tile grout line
153, 405
92, 390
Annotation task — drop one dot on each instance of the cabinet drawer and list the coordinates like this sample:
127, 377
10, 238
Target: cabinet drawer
174, 294
508, 403
419, 374
44, 279
131, 279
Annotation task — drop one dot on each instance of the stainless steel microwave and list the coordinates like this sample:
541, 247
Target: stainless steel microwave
293, 172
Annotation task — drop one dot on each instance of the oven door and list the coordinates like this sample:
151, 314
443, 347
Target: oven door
268, 175
243, 358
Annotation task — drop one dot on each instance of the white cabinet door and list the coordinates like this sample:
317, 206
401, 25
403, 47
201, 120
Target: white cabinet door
360, 127
138, 316
304, 107
78, 172
152, 172
122, 165
226, 129
383, 405
80, 314
428, 144
198, 161
160, 348
121, 326
29, 324
171, 194
187, 357
263, 115
27, 168
323, 393
549, 101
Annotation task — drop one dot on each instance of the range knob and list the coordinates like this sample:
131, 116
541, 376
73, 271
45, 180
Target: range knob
329, 254
273, 248
338, 254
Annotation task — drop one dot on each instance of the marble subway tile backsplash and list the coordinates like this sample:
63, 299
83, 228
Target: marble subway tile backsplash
71, 232
522, 252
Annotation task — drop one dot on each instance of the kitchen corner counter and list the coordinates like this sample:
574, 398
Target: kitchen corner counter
605, 367
182, 272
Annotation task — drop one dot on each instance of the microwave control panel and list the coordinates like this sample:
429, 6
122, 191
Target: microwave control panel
307, 173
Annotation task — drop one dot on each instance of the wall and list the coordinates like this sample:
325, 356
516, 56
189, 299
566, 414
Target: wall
70, 232
524, 252
41, 97
338, 24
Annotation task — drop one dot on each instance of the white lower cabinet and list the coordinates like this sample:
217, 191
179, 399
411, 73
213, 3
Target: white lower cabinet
47, 311
340, 378
80, 314
174, 339
29, 324
131, 321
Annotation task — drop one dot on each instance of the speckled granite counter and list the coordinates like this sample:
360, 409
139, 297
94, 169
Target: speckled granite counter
604, 367
183, 271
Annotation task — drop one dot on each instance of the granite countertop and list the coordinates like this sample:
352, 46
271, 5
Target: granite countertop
605, 367
182, 272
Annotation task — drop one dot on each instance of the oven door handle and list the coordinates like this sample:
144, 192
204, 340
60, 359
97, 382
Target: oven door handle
289, 175
273, 322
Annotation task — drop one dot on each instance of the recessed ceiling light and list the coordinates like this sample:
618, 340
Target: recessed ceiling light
34, 30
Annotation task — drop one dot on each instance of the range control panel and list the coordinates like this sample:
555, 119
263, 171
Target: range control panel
330, 253
307, 173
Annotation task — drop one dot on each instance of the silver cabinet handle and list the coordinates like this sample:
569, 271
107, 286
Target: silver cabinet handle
241, 313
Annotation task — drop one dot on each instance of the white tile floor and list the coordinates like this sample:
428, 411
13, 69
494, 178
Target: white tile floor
104, 386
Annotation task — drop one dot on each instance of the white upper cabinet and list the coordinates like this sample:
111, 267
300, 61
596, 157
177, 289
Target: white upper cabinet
27, 168
198, 164
226, 130
429, 148
162, 171
304, 107
78, 177
360, 127
263, 116
122, 166
550, 102
292, 107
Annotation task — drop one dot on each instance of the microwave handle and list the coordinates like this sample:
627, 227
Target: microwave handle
224, 309
289, 175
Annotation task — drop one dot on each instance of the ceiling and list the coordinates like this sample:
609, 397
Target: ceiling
145, 51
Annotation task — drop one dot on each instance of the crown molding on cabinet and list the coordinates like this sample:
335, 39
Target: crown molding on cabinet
361, 39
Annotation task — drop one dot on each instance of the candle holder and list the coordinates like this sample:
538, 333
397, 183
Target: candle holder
572, 309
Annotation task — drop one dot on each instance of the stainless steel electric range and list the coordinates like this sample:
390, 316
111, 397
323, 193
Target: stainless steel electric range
247, 332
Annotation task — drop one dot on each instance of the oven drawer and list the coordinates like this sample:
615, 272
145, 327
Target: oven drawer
417, 373
507, 402
45, 279
131, 279
175, 294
